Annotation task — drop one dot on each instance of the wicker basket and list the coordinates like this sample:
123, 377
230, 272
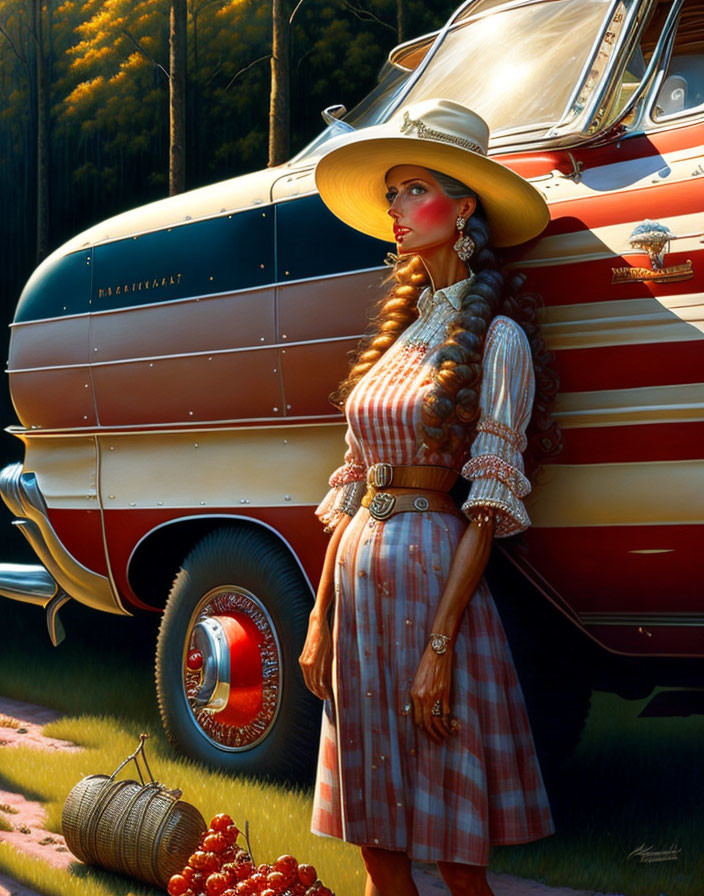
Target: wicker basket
142, 829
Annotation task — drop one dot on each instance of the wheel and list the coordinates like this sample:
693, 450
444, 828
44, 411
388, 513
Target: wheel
229, 687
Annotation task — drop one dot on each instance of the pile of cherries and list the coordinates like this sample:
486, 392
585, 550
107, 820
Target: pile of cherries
222, 868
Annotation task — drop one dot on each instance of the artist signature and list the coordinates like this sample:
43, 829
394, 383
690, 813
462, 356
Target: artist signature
650, 854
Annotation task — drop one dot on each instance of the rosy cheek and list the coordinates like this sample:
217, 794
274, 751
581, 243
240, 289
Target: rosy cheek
436, 210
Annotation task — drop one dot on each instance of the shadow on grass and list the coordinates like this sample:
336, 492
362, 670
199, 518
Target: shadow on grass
118, 884
632, 783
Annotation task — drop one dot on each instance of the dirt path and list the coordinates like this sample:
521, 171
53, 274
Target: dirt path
22, 723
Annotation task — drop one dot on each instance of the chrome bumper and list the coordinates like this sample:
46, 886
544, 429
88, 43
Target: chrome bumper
61, 576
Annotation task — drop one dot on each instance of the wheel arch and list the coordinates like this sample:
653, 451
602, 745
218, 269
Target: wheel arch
170, 542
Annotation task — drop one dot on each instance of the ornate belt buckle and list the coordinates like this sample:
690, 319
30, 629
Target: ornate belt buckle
382, 505
380, 475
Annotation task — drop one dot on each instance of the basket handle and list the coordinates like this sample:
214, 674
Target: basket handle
134, 758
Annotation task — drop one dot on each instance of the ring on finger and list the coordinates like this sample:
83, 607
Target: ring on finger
437, 709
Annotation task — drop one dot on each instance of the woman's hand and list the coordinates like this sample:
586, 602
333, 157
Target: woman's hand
316, 658
431, 684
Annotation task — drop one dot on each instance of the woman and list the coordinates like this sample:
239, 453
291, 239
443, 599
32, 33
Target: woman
426, 751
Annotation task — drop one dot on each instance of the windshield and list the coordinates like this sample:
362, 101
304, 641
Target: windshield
516, 65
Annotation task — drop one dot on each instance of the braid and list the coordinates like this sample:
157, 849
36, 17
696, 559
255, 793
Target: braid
396, 311
452, 401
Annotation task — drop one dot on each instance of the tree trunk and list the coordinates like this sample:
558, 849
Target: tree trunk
279, 105
42, 135
177, 97
400, 23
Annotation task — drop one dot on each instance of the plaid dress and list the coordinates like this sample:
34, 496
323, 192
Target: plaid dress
381, 781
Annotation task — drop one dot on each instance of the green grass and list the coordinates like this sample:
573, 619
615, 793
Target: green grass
632, 781
83, 881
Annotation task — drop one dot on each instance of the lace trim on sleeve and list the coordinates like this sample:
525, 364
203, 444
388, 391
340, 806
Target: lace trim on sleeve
489, 466
340, 501
350, 472
514, 438
510, 519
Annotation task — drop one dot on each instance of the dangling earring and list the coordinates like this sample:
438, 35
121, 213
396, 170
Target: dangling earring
465, 244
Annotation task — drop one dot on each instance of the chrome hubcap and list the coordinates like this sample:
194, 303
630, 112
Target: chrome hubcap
232, 671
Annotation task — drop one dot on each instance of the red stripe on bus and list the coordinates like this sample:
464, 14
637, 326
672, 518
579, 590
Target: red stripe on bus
638, 443
596, 570
630, 366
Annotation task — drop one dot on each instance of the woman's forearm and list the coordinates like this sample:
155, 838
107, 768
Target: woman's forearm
468, 564
326, 588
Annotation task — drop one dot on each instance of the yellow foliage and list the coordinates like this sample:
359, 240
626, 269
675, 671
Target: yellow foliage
84, 93
134, 61
234, 6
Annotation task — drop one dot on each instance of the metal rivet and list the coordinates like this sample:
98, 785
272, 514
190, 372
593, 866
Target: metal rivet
261, 266
261, 339
285, 441
133, 503
86, 386
287, 497
210, 278
288, 407
202, 503
195, 444
112, 447
112, 497
286, 272
276, 410
283, 336
150, 364
95, 349
160, 503
190, 413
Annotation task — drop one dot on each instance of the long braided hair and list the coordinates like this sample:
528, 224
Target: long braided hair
451, 403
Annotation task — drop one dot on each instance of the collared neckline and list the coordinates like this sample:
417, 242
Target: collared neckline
449, 295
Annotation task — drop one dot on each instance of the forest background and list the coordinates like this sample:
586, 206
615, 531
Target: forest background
85, 105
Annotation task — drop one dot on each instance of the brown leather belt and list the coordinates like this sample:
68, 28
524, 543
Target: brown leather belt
421, 476
416, 488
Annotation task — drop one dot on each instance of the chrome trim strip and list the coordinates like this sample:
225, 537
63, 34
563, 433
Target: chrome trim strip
21, 493
217, 351
669, 620
211, 295
216, 426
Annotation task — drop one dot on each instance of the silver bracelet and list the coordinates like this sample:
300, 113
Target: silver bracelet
439, 642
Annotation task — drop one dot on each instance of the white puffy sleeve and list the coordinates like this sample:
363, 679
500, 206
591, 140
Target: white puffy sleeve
347, 486
495, 467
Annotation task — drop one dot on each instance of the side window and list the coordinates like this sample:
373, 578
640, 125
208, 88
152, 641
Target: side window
682, 87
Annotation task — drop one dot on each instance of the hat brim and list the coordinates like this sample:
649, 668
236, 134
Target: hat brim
351, 182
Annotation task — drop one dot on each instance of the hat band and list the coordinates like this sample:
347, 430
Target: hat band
426, 133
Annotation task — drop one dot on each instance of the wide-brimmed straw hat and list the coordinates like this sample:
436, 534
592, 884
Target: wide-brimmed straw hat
437, 134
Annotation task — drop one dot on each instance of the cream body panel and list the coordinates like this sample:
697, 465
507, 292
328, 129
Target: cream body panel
268, 466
